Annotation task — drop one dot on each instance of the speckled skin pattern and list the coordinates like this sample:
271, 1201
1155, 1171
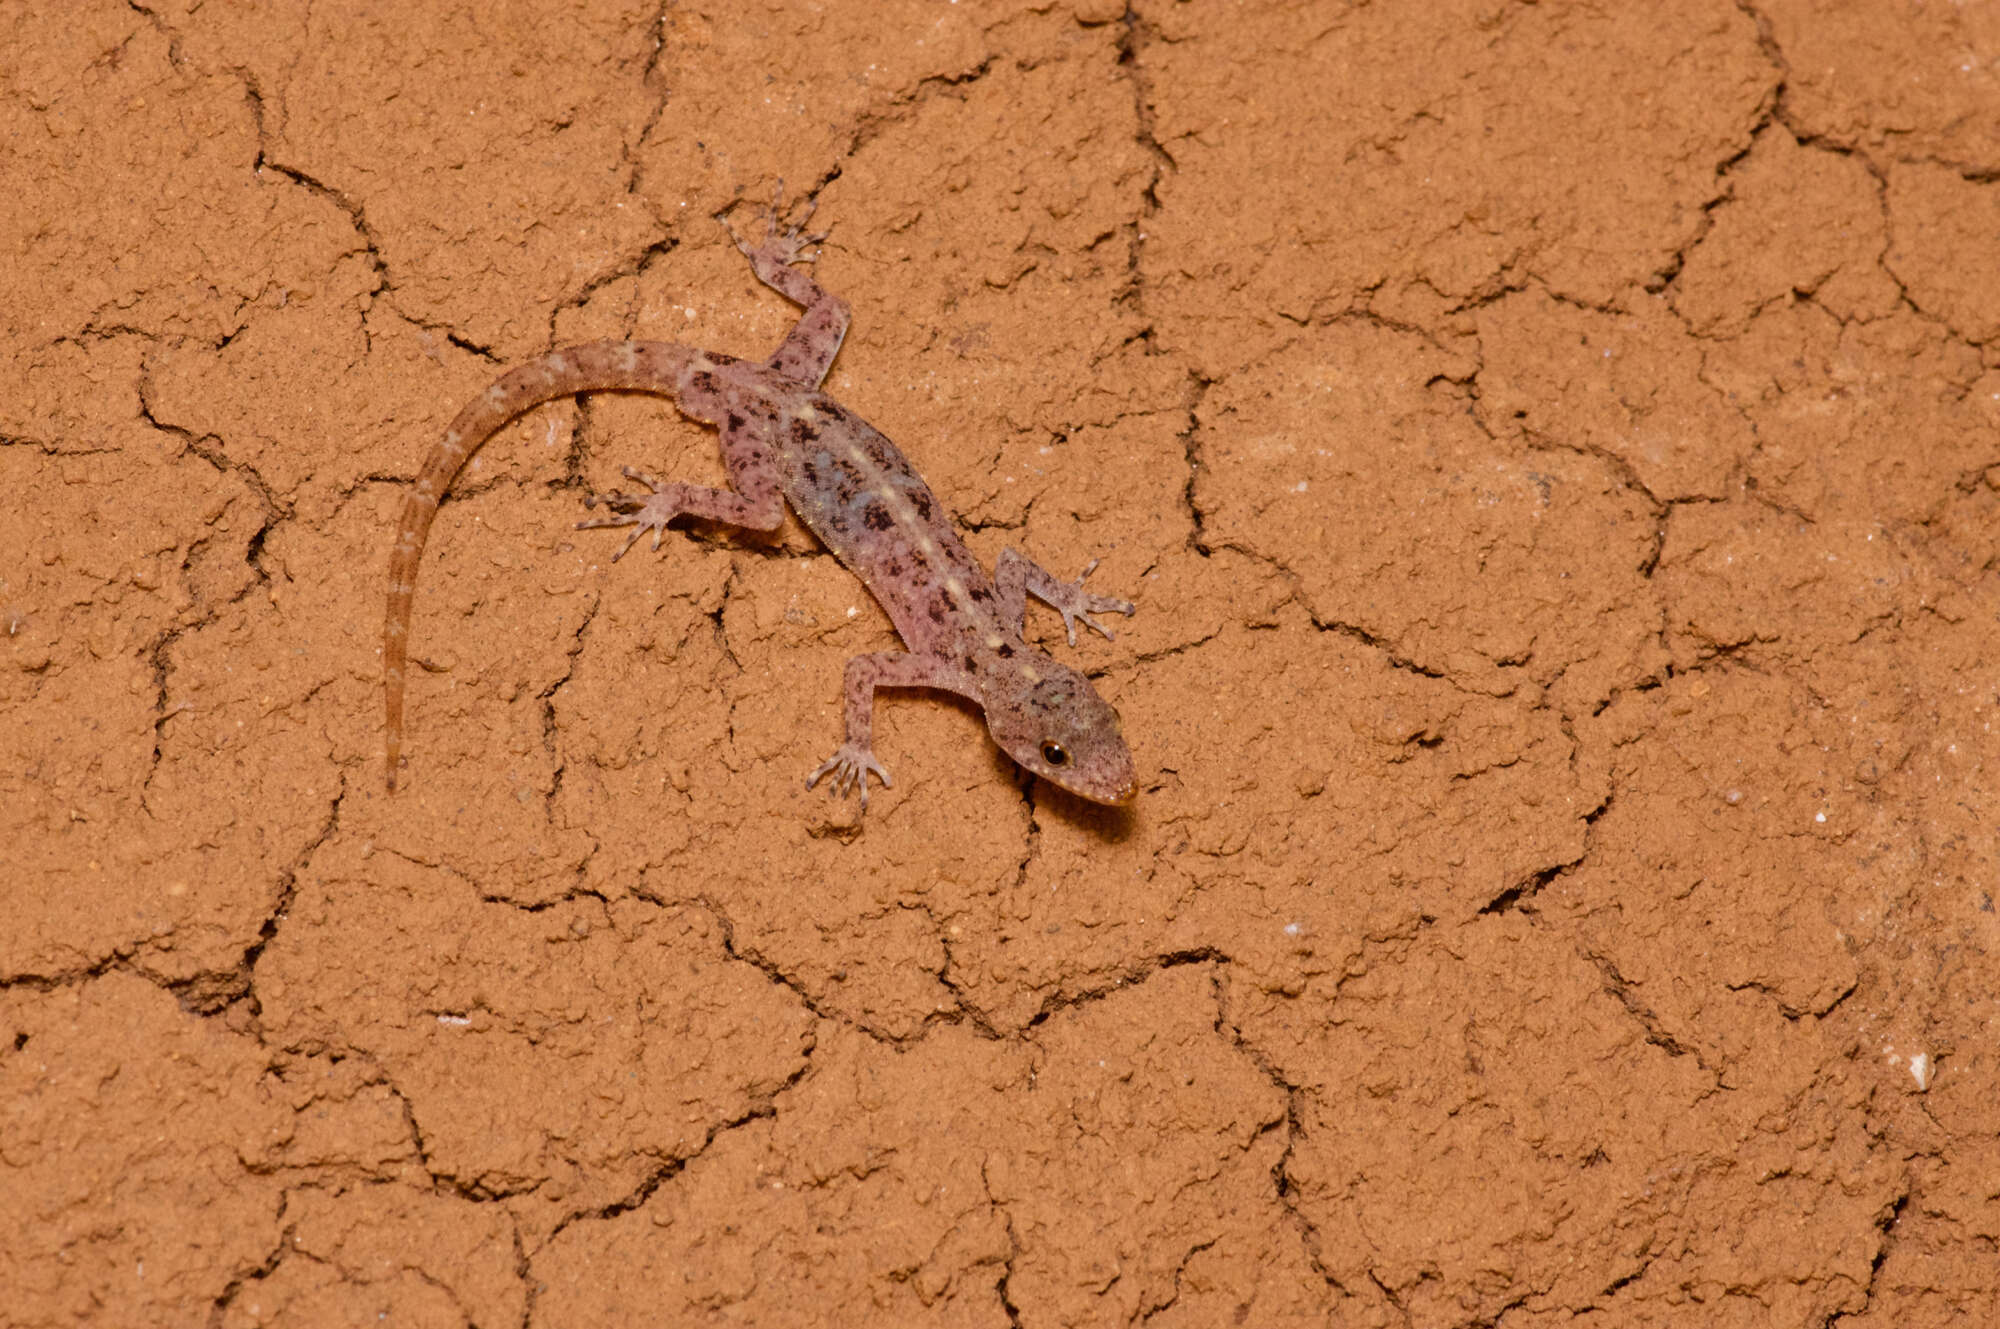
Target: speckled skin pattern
783, 440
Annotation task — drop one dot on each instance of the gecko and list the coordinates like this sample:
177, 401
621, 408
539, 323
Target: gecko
783, 441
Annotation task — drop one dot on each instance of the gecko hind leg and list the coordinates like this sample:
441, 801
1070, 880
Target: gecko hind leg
809, 349
642, 512
760, 511
786, 243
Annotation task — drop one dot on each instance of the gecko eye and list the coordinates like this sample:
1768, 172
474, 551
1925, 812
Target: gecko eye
1055, 754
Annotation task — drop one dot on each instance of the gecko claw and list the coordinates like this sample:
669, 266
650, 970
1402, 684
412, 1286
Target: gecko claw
849, 768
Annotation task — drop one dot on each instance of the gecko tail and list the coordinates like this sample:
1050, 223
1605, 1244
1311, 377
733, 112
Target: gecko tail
659, 368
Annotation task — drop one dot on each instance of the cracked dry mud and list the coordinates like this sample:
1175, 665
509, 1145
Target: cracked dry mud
1556, 452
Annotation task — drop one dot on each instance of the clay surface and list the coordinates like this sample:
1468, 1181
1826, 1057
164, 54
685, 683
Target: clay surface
1554, 448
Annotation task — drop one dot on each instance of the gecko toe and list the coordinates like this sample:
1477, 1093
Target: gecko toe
1098, 604
1081, 606
642, 512
849, 769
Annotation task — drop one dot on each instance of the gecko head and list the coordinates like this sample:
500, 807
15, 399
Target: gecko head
1048, 718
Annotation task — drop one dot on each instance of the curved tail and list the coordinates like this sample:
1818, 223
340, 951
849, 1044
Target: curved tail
603, 366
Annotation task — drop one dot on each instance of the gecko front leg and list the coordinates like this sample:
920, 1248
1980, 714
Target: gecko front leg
850, 766
1015, 575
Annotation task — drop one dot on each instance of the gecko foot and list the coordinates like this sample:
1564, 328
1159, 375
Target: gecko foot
789, 245
1074, 605
640, 511
849, 768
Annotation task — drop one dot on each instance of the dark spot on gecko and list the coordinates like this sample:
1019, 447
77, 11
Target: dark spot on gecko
735, 422
982, 594
876, 517
803, 432
936, 611
704, 382
1004, 651
920, 499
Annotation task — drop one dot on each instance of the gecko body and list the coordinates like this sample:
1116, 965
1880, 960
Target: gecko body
785, 441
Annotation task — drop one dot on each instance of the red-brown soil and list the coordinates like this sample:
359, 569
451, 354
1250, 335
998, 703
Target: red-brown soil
1555, 449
